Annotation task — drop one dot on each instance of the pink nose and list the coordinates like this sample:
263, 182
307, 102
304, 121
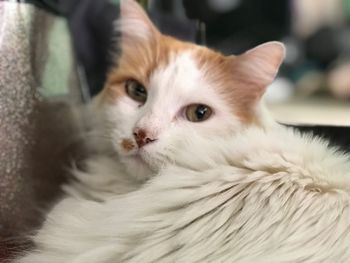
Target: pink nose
141, 137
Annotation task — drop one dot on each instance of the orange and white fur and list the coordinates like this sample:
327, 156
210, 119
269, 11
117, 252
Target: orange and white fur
194, 168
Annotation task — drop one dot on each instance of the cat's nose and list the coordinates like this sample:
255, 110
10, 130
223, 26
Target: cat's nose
142, 137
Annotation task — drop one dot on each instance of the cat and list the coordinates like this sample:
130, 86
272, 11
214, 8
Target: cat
192, 168
158, 84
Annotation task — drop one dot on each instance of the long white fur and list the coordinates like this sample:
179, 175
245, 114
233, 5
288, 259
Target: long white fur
204, 192
258, 196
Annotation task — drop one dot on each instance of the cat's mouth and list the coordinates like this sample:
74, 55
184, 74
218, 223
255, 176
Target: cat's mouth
138, 163
131, 149
141, 155
142, 158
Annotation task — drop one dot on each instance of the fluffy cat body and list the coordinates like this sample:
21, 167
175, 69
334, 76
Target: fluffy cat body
259, 196
171, 187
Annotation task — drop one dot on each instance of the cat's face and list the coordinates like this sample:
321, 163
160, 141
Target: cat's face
164, 90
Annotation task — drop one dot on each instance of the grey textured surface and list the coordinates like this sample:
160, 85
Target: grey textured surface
38, 136
17, 110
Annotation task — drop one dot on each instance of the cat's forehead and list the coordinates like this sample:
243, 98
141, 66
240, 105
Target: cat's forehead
180, 73
186, 65
177, 54
187, 75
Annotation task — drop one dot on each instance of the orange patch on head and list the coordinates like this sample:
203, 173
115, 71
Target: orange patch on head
219, 71
140, 61
242, 80
143, 49
127, 145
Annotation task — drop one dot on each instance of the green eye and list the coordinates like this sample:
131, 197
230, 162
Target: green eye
198, 112
136, 91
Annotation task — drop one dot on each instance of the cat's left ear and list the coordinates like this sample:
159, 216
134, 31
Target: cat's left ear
260, 65
134, 24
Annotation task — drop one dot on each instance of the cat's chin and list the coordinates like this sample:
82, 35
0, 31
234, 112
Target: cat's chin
137, 167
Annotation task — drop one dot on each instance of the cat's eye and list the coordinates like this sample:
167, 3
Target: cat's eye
198, 112
136, 91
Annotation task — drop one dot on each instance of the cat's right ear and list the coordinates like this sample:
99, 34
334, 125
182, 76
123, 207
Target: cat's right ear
258, 67
134, 24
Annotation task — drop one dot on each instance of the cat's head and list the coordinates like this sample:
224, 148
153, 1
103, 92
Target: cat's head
164, 89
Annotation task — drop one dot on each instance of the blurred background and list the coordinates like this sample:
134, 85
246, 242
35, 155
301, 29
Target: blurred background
313, 86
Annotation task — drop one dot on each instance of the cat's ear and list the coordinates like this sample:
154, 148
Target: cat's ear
134, 24
259, 66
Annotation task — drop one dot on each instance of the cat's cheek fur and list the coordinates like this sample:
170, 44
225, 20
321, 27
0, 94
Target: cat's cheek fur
121, 116
177, 136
